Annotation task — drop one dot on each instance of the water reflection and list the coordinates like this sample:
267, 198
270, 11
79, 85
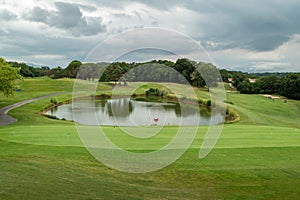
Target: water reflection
127, 112
120, 108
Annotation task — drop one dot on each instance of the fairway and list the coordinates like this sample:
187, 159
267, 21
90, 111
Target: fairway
257, 157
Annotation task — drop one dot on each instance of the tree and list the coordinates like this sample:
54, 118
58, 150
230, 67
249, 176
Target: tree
56, 72
197, 79
72, 69
116, 72
185, 67
245, 87
238, 78
209, 73
225, 75
269, 84
89, 71
290, 86
30, 71
8, 75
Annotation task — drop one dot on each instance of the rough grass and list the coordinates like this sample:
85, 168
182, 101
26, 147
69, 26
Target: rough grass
256, 158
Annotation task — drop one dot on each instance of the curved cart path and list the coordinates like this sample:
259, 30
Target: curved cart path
6, 119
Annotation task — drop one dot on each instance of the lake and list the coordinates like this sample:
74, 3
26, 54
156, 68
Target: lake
128, 112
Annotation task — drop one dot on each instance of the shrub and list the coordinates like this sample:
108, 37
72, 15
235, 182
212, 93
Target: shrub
208, 103
200, 101
54, 101
156, 92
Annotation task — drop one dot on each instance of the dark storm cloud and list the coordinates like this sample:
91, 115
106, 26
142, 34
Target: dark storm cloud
266, 43
67, 17
254, 25
6, 15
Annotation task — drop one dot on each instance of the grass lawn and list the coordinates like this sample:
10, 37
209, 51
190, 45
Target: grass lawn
259, 110
255, 158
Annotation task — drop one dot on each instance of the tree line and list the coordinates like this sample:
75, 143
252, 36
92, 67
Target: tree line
30, 71
286, 84
156, 71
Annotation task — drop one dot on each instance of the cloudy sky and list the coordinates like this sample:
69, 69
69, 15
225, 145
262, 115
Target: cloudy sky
243, 35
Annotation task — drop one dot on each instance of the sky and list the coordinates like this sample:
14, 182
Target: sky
251, 35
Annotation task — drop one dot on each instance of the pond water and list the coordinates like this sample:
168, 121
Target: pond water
128, 112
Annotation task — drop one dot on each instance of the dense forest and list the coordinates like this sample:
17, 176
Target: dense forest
286, 84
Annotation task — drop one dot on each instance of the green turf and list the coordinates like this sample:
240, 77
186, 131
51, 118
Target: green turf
259, 110
255, 158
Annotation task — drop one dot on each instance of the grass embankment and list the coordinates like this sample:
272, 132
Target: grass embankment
259, 110
31, 88
256, 158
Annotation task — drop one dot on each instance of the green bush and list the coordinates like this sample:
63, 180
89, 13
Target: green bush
156, 92
208, 103
54, 101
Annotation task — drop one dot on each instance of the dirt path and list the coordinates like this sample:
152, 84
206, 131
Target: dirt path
6, 119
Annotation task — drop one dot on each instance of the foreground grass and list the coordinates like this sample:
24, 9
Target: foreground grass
60, 172
256, 158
